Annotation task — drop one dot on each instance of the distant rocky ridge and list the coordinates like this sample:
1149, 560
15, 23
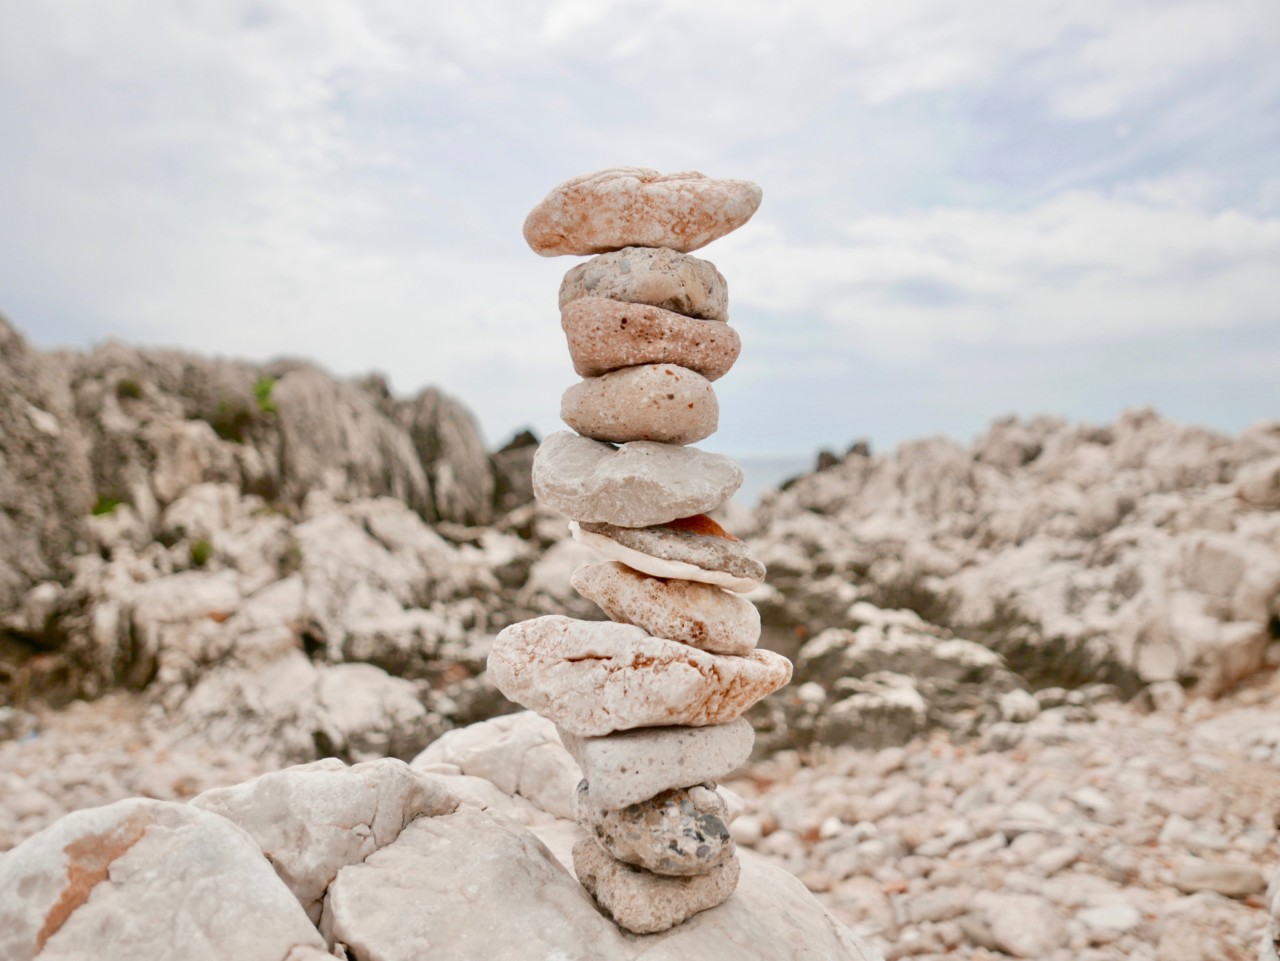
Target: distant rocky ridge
304, 566
1139, 552
166, 515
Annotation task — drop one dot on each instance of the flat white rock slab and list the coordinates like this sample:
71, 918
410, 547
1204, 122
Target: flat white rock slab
636, 485
631, 766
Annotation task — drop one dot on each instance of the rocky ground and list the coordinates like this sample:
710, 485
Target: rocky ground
1085, 832
986, 747
1091, 832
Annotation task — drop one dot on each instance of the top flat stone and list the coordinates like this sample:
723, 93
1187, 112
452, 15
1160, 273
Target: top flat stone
636, 485
636, 207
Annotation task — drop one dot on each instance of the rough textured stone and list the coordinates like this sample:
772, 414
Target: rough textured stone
636, 207
635, 485
630, 766
657, 566
1083, 553
143, 879
592, 678
452, 453
690, 540
679, 832
42, 517
314, 819
1259, 484
657, 402
520, 753
1233, 880
458, 887
605, 335
1022, 925
654, 276
644, 902
708, 617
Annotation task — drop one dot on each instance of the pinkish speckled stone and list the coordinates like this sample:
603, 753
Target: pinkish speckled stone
607, 335
635, 207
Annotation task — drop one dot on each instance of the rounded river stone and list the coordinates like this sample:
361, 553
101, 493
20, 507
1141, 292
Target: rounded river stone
635, 207
605, 335
657, 402
643, 902
679, 832
654, 276
704, 615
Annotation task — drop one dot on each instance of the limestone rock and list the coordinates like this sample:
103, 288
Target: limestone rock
1081, 553
179, 882
1259, 484
630, 766
605, 335
635, 485
895, 677
290, 710
708, 617
1230, 879
636, 207
592, 678
678, 832
697, 541
335, 437
520, 753
44, 515
448, 444
654, 276
655, 402
458, 887
646, 903
513, 472
1022, 925
658, 567
313, 819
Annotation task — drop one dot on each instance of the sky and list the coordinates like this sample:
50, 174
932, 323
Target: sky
970, 210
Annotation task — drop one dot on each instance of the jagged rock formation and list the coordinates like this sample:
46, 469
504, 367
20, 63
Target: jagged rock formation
41, 521
1144, 551
207, 528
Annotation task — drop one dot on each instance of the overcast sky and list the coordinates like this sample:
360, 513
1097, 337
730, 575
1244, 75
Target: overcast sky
970, 209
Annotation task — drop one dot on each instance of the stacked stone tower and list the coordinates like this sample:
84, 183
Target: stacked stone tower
649, 703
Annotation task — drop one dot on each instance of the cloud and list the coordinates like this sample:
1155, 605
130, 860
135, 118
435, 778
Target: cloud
1081, 267
346, 180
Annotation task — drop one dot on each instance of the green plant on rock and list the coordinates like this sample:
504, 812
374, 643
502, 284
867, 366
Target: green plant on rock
128, 389
262, 392
201, 552
105, 505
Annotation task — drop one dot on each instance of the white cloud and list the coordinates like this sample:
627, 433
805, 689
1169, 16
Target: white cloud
347, 179
1082, 267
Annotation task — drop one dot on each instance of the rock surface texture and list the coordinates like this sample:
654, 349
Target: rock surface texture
1134, 553
703, 615
658, 402
636, 207
374, 862
654, 276
680, 650
605, 335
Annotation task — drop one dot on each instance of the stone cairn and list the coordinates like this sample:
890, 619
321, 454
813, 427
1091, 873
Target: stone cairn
649, 703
